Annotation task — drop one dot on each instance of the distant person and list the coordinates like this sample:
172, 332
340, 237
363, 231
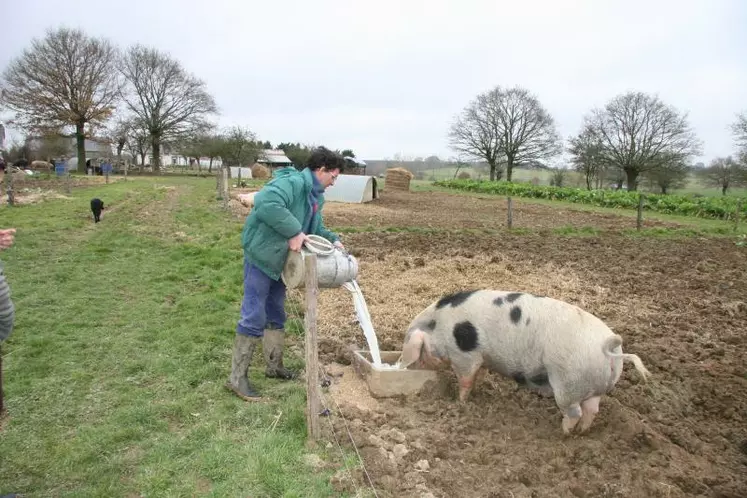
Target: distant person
97, 205
7, 310
286, 209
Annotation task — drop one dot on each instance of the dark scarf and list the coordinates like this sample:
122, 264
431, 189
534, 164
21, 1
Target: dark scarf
317, 189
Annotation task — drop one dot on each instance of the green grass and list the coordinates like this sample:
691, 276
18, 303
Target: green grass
114, 373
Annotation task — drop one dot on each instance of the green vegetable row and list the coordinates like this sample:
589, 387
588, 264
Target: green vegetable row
723, 207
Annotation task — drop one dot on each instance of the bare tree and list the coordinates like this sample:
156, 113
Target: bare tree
505, 125
67, 79
585, 150
209, 144
724, 172
239, 146
169, 102
118, 133
52, 146
670, 173
138, 140
638, 132
739, 129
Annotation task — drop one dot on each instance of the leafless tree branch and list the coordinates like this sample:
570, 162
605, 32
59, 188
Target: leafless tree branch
169, 102
505, 125
67, 79
638, 132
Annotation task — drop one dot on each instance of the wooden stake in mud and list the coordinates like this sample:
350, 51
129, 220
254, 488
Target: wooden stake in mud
510, 214
9, 187
639, 221
736, 214
312, 353
225, 188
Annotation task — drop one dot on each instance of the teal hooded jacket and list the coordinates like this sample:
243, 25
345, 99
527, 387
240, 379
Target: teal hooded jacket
282, 209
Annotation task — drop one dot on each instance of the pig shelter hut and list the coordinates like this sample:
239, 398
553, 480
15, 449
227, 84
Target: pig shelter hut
352, 189
398, 179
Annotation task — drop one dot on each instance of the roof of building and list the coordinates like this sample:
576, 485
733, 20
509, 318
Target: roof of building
273, 156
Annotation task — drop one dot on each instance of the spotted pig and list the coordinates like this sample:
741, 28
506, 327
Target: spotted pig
545, 344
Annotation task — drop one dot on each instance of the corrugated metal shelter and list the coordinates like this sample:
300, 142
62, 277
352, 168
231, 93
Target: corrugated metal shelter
246, 173
353, 189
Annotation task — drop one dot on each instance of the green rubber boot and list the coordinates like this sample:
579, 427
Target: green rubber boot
238, 382
272, 345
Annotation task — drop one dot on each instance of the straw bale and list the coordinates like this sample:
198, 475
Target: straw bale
398, 179
260, 171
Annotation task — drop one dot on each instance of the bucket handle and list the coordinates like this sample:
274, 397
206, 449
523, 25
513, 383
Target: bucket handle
318, 245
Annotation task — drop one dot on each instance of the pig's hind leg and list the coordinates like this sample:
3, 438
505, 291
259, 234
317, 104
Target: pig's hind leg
567, 402
590, 408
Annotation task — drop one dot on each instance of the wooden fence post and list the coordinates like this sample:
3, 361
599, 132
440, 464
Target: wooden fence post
639, 221
312, 353
510, 214
225, 188
737, 211
9, 187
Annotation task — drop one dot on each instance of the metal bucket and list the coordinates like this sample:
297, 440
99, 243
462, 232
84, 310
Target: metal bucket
334, 267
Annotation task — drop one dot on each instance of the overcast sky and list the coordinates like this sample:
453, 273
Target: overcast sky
387, 77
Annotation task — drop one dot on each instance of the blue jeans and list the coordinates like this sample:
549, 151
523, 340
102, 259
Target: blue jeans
263, 305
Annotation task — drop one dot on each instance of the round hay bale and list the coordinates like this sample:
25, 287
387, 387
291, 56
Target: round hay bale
260, 171
398, 179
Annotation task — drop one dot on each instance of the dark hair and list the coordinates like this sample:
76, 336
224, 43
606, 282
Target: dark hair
322, 156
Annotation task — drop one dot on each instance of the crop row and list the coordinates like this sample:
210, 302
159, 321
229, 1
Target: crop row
723, 207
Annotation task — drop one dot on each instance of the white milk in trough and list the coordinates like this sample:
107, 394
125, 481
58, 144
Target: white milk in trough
337, 268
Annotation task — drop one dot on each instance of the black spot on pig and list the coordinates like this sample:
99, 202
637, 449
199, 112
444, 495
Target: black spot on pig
498, 301
536, 379
515, 314
454, 299
519, 378
431, 325
527, 322
510, 298
539, 379
465, 335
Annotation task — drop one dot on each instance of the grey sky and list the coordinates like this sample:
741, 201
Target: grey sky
386, 77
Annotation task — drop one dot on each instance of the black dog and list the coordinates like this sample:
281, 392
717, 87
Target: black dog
97, 205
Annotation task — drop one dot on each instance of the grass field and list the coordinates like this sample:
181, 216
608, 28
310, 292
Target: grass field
114, 373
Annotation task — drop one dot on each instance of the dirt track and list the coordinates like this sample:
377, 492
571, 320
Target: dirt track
679, 304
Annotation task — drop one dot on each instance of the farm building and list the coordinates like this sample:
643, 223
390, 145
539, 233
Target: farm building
273, 158
355, 165
352, 189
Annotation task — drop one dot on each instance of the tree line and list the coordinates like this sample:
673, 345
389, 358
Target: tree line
138, 98
634, 137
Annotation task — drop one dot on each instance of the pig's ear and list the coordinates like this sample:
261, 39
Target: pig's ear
412, 348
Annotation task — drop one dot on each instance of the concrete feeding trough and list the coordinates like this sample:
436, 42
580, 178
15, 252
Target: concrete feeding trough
385, 383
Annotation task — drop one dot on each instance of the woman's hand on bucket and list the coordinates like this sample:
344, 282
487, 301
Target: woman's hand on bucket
296, 242
339, 245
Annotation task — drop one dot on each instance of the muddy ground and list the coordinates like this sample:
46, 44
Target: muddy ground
678, 303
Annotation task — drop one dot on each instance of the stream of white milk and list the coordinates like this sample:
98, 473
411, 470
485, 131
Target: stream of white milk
364, 318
